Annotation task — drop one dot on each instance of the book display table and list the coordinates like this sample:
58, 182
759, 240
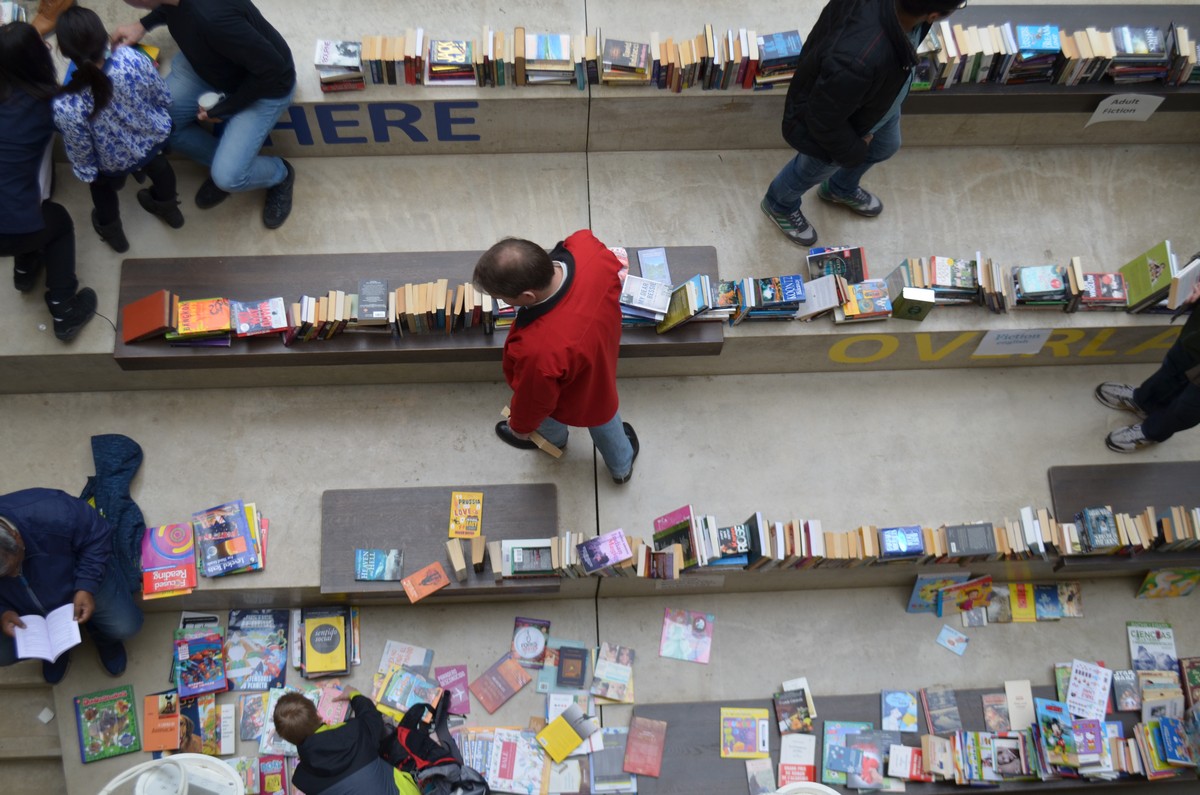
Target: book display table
290, 276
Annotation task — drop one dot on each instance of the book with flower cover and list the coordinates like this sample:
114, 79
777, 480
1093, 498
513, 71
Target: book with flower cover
107, 723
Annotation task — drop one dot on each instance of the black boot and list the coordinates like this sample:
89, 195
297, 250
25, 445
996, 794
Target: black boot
26, 270
166, 210
113, 234
73, 314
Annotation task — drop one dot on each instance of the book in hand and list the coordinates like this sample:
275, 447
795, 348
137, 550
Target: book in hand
644, 747
199, 663
744, 733
47, 638
168, 561
566, 732
1148, 276
425, 581
374, 565
107, 723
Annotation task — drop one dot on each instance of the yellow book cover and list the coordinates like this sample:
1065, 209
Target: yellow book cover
566, 732
466, 514
325, 644
744, 733
1020, 598
203, 315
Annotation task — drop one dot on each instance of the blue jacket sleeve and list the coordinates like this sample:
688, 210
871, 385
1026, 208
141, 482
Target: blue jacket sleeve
90, 541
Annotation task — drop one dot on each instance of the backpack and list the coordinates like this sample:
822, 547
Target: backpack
425, 748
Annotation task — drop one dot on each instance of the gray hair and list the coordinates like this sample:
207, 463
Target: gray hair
10, 546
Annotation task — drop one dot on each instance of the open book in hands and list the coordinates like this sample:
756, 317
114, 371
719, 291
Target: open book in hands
47, 638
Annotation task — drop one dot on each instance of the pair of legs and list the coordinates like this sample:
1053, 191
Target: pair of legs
1171, 401
805, 171
105, 187
610, 439
52, 248
233, 159
116, 618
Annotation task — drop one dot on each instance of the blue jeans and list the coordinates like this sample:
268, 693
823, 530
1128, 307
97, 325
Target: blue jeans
116, 617
232, 159
1170, 400
805, 171
609, 438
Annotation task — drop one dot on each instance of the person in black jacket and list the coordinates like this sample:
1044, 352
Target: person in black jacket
229, 51
842, 112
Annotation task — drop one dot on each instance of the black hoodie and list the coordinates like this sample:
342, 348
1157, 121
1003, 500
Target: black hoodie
344, 760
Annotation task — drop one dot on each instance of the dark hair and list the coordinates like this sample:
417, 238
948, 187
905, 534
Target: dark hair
920, 8
513, 266
296, 718
83, 39
25, 63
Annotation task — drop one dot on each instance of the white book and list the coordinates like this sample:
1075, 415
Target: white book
1182, 283
821, 295
797, 758
646, 294
47, 638
1087, 691
1019, 694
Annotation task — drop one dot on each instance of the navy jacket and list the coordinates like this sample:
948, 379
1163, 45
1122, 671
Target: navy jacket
26, 125
854, 63
66, 549
344, 759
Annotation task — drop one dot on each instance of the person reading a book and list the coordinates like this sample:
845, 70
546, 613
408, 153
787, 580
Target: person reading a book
343, 759
231, 57
560, 356
1169, 400
36, 232
56, 549
114, 115
842, 112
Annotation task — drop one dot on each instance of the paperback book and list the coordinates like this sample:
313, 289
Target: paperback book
686, 635
199, 663
744, 733
168, 561
224, 542
613, 673
256, 649
374, 565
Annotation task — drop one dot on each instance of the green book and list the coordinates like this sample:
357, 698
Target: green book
1148, 276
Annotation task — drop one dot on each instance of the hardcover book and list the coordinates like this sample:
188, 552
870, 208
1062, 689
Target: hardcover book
148, 317
686, 635
760, 777
941, 709
107, 723
644, 747
744, 733
402, 689
1148, 276
1055, 733
256, 649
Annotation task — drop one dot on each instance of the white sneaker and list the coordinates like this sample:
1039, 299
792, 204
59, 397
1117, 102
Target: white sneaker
1128, 439
1119, 397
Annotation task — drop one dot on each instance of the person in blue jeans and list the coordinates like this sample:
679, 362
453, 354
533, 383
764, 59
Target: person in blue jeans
842, 113
1169, 400
56, 549
229, 51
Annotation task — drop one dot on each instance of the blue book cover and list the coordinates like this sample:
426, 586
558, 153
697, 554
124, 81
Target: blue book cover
224, 542
1038, 39
654, 265
793, 287
776, 49
378, 564
901, 542
1174, 740
925, 591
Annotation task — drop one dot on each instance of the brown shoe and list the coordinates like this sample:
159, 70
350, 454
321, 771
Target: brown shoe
47, 15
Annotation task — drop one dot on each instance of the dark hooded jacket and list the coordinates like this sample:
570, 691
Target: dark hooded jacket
344, 759
852, 67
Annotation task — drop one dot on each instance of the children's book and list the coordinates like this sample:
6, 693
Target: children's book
415, 658
1070, 599
953, 640
1168, 583
1055, 732
1176, 748
168, 560
835, 737
270, 742
1089, 740
47, 638
425, 581
404, 688
529, 641
1152, 646
252, 714
246, 768
899, 708
744, 733
272, 775
107, 723
644, 748
160, 722
924, 594
868, 774
224, 542
791, 712
199, 663
613, 674
964, 596
797, 758
256, 649
453, 680
331, 709
1045, 602
760, 776
686, 635
1087, 690
500, 682
466, 514
517, 763
378, 565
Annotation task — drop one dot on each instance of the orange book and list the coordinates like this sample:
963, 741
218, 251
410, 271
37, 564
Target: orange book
424, 582
160, 722
203, 316
147, 317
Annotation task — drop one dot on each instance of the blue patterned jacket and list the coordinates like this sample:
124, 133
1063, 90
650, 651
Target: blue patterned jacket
128, 131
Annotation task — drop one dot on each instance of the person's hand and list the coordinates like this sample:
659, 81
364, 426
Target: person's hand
127, 35
346, 694
1194, 295
10, 620
868, 138
85, 605
202, 115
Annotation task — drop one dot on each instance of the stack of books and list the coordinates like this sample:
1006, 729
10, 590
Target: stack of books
1182, 51
778, 57
1142, 55
1039, 286
12, 12
548, 59
339, 65
625, 62
1038, 47
202, 322
865, 300
230, 539
451, 62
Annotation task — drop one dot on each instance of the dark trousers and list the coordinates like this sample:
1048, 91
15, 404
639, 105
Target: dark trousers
105, 187
52, 246
1170, 400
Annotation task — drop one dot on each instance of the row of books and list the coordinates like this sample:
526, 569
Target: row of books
228, 539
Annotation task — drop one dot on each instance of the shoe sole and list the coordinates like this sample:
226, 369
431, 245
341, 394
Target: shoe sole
789, 238
829, 197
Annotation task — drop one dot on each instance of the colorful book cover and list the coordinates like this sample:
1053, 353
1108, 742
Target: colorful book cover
403, 689
964, 596
1020, 599
1034, 39
791, 712
1168, 583
677, 527
107, 723
529, 641
252, 715
199, 663
1054, 731
224, 542
744, 733
653, 262
378, 565
330, 707
953, 640
899, 709
396, 653
868, 774
425, 581
995, 712
500, 682
1089, 740
849, 263
1088, 686
1175, 742
202, 316
168, 559
613, 674
256, 649
1045, 602
1189, 669
246, 768
606, 550
1070, 599
686, 635
270, 742
160, 722
1152, 646
835, 737
645, 745
254, 318
517, 763
272, 775
1126, 693
924, 594
1148, 274
453, 680
566, 730
797, 759
325, 646
466, 514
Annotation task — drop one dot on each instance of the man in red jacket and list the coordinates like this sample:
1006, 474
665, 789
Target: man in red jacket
560, 357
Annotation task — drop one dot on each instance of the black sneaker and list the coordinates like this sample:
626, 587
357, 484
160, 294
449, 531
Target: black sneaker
278, 206
53, 672
72, 315
506, 435
794, 225
862, 202
113, 657
210, 195
113, 234
632, 436
168, 211
25, 279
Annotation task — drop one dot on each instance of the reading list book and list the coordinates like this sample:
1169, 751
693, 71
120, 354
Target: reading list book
256, 649
168, 560
107, 723
47, 638
223, 540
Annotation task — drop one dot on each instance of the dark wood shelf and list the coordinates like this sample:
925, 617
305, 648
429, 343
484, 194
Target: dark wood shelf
290, 276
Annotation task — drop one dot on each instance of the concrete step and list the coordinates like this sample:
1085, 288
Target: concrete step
23, 675
29, 748
33, 777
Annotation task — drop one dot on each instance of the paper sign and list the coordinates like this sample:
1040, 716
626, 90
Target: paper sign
1125, 107
1009, 343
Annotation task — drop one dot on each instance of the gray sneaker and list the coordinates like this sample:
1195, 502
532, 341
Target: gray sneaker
860, 201
794, 225
1119, 397
1129, 439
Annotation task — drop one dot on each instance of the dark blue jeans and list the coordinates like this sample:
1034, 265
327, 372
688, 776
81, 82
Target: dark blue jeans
1170, 400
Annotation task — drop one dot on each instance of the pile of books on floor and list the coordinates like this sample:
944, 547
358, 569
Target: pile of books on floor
339, 65
227, 539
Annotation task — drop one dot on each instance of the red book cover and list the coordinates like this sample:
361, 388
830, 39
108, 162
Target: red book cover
168, 559
500, 683
644, 748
